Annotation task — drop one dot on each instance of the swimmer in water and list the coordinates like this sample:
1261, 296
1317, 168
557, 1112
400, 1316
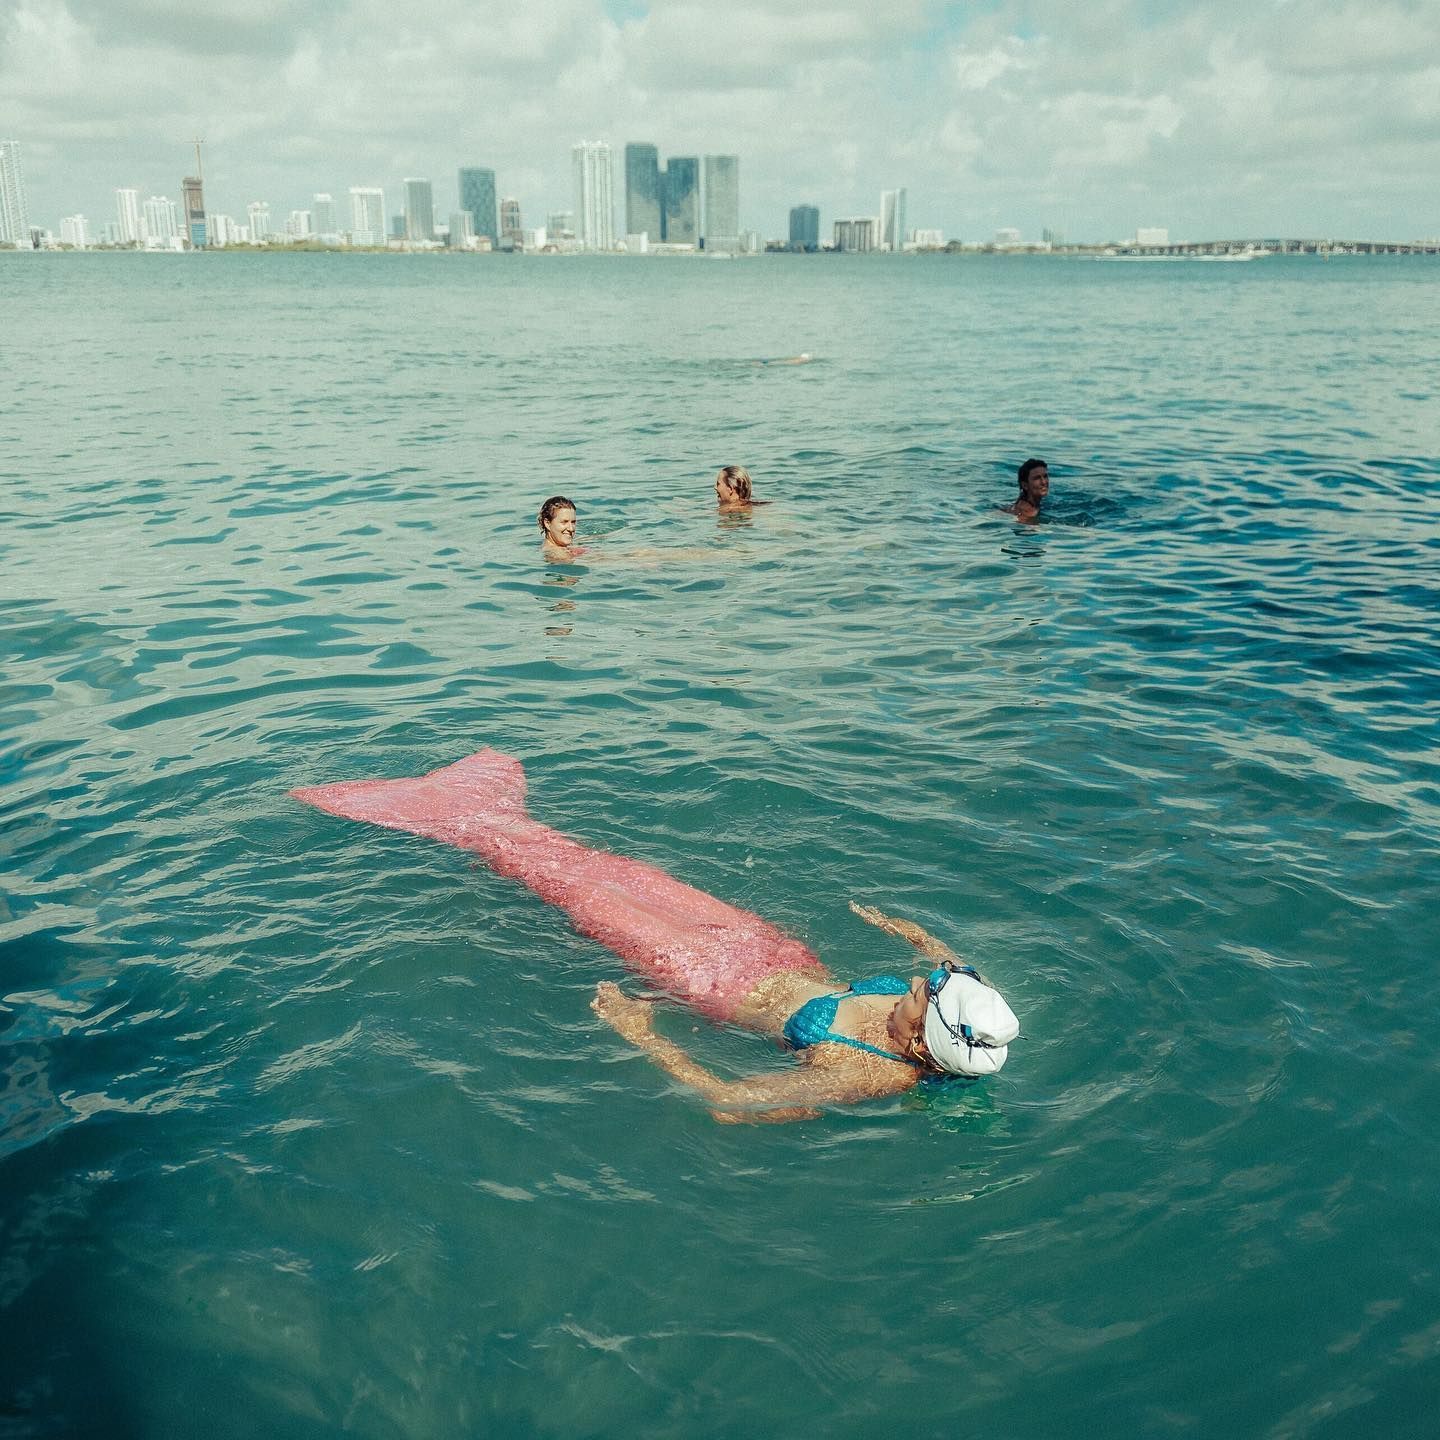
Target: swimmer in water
557, 529
1034, 487
786, 360
735, 490
859, 1041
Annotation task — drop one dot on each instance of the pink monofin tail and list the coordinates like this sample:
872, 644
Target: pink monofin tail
701, 950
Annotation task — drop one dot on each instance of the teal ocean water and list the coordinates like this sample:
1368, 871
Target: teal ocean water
307, 1128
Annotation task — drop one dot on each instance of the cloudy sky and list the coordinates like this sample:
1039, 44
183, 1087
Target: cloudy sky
1216, 118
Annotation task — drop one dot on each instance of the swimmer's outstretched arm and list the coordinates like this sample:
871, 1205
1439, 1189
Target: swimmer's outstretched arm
757, 1099
920, 938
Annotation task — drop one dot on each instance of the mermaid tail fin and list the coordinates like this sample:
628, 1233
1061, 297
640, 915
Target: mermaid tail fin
457, 803
701, 950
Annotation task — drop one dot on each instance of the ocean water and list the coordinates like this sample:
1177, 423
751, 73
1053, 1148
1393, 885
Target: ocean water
307, 1128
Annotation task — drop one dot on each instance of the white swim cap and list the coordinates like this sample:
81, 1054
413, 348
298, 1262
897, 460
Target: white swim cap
968, 1026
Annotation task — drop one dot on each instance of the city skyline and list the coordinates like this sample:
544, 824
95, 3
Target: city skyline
1210, 119
693, 203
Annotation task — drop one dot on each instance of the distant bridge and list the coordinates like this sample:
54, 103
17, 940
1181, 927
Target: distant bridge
1276, 246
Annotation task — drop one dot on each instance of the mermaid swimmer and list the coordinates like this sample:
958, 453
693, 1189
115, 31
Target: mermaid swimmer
854, 1042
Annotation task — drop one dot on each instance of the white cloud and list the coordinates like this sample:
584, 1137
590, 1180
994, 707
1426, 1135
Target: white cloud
977, 70
1008, 116
1368, 38
1108, 131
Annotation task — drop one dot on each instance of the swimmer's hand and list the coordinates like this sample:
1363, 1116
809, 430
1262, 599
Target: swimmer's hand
632, 1020
907, 930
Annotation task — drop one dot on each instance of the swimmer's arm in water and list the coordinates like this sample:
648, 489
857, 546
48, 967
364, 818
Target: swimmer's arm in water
908, 930
757, 1099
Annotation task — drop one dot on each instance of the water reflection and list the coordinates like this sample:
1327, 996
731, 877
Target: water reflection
738, 519
560, 606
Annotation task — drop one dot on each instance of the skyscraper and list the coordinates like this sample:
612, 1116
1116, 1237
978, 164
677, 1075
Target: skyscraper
322, 211
892, 220
161, 221
721, 196
127, 210
512, 237
192, 209
14, 212
856, 235
367, 215
192, 205
594, 194
462, 230
642, 192
419, 210
805, 228
75, 232
682, 200
258, 215
477, 195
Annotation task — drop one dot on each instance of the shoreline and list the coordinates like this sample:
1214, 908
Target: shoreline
1231, 251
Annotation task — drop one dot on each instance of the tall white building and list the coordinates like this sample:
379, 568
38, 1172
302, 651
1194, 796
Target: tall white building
259, 216
223, 231
127, 213
323, 213
419, 210
856, 235
161, 220
892, 220
367, 215
462, 230
594, 195
14, 212
75, 231
720, 202
300, 225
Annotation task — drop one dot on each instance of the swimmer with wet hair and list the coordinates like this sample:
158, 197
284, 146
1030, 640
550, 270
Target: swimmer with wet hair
735, 490
1034, 477
557, 529
733, 487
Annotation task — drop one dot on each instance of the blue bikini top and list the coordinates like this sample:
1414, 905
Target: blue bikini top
810, 1024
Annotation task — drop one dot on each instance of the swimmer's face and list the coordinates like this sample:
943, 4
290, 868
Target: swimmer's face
909, 1015
560, 527
725, 492
1037, 485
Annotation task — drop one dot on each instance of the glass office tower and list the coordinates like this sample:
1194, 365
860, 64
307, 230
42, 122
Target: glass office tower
643, 210
477, 195
805, 228
682, 200
720, 228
